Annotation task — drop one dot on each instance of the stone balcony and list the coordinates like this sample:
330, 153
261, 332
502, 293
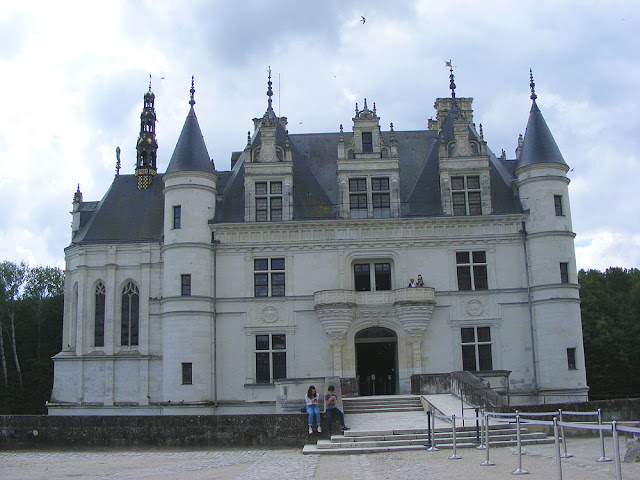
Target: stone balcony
401, 296
412, 307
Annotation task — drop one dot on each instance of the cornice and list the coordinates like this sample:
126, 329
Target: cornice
426, 231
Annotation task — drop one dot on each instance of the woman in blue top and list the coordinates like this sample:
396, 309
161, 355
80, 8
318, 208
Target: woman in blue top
312, 408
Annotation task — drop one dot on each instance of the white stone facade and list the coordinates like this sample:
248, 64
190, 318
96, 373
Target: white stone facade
530, 312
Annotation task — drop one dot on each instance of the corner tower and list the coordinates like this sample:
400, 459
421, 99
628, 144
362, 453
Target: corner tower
556, 327
147, 145
188, 271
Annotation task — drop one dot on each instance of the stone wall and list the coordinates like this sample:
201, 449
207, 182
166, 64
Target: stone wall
46, 432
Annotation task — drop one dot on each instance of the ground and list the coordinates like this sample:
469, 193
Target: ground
290, 464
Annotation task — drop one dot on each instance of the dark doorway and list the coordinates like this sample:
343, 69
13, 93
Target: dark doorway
376, 361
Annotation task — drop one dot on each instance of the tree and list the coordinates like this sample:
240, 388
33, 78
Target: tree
12, 278
41, 283
611, 329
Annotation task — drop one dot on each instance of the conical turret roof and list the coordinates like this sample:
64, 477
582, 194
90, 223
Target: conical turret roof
190, 154
539, 146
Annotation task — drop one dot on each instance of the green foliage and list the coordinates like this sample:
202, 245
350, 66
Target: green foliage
611, 331
32, 300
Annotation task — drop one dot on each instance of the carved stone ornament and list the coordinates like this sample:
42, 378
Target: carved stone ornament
266, 315
475, 307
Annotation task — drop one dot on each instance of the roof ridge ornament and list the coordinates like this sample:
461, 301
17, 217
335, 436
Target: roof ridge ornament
149, 81
192, 91
452, 84
532, 86
269, 89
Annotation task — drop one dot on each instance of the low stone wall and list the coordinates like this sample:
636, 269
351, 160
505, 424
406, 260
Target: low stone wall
46, 432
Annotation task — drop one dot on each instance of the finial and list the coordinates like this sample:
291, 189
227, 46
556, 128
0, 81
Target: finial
452, 85
374, 108
269, 90
192, 91
149, 81
356, 109
532, 85
286, 139
78, 188
365, 104
248, 138
481, 133
391, 127
341, 129
117, 162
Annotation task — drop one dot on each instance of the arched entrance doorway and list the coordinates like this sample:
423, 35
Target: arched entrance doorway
377, 361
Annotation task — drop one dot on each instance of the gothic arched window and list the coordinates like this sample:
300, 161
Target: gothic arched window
98, 316
130, 315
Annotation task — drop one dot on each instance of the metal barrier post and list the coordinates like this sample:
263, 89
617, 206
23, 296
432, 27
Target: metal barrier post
519, 450
557, 442
603, 458
477, 440
616, 449
428, 444
455, 456
519, 470
433, 447
487, 462
482, 430
564, 440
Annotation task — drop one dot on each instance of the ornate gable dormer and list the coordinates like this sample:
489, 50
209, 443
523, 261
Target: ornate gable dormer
368, 172
463, 160
268, 163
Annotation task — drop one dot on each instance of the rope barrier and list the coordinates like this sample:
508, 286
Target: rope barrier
622, 428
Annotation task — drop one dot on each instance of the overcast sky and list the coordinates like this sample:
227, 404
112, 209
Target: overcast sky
74, 75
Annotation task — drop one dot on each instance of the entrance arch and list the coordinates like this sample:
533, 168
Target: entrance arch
377, 361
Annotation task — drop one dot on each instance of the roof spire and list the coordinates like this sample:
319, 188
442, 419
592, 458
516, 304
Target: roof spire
452, 85
532, 85
149, 81
269, 90
192, 91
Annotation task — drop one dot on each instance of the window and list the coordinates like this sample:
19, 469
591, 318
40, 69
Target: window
557, 201
465, 195
187, 374
380, 197
271, 357
367, 142
358, 197
476, 348
177, 216
98, 316
268, 277
268, 201
472, 270
564, 272
185, 281
571, 358
363, 278
130, 315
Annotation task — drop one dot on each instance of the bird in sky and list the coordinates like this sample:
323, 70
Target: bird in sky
363, 20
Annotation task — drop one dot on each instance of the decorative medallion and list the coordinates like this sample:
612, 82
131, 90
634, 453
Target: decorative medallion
270, 315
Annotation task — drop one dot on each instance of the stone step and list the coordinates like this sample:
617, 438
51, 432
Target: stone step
381, 408
316, 449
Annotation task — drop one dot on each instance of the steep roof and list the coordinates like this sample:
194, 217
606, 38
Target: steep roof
539, 145
125, 214
190, 154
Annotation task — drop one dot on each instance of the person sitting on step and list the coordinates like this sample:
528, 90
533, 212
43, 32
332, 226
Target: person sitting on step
312, 408
331, 408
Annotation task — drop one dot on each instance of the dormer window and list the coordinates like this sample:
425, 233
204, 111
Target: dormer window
465, 195
369, 191
367, 142
358, 197
268, 201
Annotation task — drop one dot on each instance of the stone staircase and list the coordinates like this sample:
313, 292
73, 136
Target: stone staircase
383, 404
399, 422
352, 442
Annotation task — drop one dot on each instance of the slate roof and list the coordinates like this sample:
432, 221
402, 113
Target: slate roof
127, 214
539, 145
190, 154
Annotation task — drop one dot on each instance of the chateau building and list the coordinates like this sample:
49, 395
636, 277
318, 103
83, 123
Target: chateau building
204, 291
